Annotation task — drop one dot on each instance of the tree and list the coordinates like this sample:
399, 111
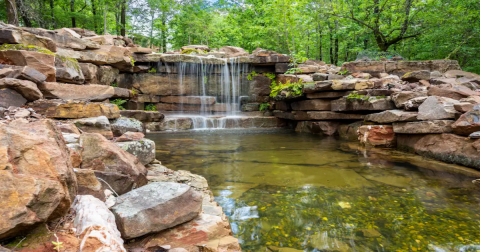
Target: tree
12, 14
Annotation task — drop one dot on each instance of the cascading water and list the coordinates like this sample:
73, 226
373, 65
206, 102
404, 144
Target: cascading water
211, 93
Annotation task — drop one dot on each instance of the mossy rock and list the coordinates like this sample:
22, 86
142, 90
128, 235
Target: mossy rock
31, 48
193, 51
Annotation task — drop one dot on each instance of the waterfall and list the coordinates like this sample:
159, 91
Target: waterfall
211, 94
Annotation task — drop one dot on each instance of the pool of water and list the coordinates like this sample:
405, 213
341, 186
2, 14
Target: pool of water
284, 191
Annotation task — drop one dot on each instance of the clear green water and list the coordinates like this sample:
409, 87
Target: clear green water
307, 193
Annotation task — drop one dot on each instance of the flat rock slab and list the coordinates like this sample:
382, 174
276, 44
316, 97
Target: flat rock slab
143, 116
400, 98
352, 84
156, 207
74, 109
468, 123
317, 104
371, 104
423, 127
317, 87
328, 94
55, 90
317, 115
400, 67
436, 108
390, 116
208, 100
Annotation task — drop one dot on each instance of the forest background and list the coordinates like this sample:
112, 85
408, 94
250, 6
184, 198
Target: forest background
334, 31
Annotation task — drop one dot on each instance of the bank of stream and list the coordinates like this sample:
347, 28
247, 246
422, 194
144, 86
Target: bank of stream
287, 190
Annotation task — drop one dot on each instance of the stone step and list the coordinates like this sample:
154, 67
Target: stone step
143, 116
187, 123
317, 104
371, 104
56, 90
316, 115
218, 107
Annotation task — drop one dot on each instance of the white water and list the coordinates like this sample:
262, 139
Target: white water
226, 83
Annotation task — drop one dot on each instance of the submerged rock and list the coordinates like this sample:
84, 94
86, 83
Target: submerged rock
136, 212
377, 135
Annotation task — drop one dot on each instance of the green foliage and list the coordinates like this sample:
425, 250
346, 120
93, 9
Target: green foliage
193, 51
150, 107
271, 76
356, 96
32, 48
119, 103
294, 71
134, 92
132, 61
251, 75
264, 106
343, 72
293, 89
153, 70
114, 84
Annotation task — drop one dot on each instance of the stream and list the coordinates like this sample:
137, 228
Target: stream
285, 191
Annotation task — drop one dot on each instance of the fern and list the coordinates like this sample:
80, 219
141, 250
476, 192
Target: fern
264, 106
251, 75
151, 107
119, 103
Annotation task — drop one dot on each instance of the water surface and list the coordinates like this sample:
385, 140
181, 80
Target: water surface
308, 193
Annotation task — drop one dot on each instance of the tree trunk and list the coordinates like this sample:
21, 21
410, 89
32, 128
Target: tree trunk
123, 18
331, 47
52, 6
21, 13
105, 19
12, 15
152, 17
336, 43
94, 12
308, 44
72, 9
164, 35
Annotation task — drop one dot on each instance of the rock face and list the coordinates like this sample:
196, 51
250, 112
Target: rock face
9, 97
95, 225
416, 76
173, 123
468, 122
54, 90
143, 149
437, 108
99, 125
344, 104
42, 62
74, 109
143, 116
21, 37
37, 182
26, 88
317, 104
102, 155
68, 70
424, 127
232, 51
321, 128
400, 98
390, 116
448, 148
456, 93
136, 212
376, 135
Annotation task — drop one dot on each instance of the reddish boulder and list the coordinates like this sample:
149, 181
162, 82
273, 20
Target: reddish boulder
468, 122
42, 62
377, 135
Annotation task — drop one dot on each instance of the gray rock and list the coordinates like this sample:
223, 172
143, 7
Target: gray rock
319, 76
416, 76
68, 70
143, 149
70, 138
390, 116
172, 123
10, 97
98, 124
122, 125
344, 104
155, 207
436, 108
423, 127
414, 103
400, 98
475, 135
117, 182
435, 74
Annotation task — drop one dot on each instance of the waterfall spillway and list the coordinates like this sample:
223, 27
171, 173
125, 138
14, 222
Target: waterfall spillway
210, 95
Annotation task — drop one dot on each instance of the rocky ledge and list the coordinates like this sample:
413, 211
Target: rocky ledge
95, 185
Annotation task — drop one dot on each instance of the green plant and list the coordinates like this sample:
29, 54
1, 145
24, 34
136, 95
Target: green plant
32, 48
57, 244
271, 76
251, 75
193, 51
114, 84
119, 103
343, 72
151, 107
295, 88
153, 70
356, 96
294, 71
134, 92
132, 61
264, 106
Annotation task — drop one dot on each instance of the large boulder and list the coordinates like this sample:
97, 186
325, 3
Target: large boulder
123, 125
74, 109
376, 135
10, 97
400, 98
143, 149
437, 108
26, 88
42, 62
346, 104
12, 36
63, 40
172, 123
456, 93
423, 127
232, 51
137, 211
143, 116
95, 225
68, 70
37, 182
468, 122
448, 148
55, 90
416, 76
89, 71
98, 124
102, 155
22, 73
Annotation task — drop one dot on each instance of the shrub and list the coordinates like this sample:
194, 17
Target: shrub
119, 103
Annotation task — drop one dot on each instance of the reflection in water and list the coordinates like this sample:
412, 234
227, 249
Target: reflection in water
292, 192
